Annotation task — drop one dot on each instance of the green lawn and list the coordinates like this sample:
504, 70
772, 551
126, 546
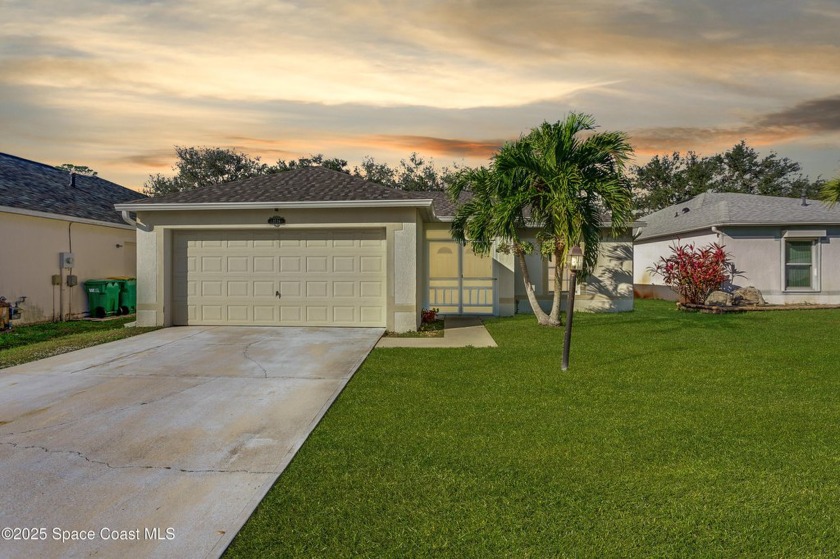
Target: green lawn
672, 435
37, 341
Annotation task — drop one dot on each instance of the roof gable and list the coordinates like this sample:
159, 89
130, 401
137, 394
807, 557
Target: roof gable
711, 209
33, 186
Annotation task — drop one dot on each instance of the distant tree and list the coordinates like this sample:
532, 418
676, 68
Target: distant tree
203, 166
667, 180
414, 173
372, 171
830, 192
78, 169
318, 160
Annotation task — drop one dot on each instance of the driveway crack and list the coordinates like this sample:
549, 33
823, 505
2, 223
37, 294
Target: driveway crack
103, 412
148, 349
251, 359
128, 467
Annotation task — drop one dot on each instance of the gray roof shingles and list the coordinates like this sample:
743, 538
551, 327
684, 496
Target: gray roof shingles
308, 184
724, 208
29, 185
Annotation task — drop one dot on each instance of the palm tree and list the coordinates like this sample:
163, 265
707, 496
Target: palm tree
556, 181
830, 192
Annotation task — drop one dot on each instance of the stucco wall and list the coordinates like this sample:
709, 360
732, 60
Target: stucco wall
757, 254
154, 246
608, 289
29, 256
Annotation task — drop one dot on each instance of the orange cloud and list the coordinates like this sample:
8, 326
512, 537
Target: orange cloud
439, 146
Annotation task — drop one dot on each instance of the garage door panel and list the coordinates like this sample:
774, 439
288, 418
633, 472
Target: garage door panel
344, 315
316, 264
371, 264
290, 264
238, 264
265, 314
324, 277
344, 289
344, 264
264, 264
264, 288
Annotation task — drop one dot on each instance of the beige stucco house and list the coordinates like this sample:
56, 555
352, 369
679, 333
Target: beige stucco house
44, 213
788, 248
316, 247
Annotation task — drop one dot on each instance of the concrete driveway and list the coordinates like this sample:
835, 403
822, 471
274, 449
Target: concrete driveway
160, 445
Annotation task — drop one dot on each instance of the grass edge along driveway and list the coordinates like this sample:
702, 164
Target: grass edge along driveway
672, 435
31, 342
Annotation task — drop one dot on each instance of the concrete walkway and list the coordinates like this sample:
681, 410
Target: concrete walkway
161, 445
458, 331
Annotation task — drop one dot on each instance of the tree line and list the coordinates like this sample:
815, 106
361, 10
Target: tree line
663, 181
202, 166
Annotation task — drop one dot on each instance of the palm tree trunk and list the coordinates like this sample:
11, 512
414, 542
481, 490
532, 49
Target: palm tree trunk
558, 284
542, 317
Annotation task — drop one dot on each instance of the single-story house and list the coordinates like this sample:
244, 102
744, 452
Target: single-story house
789, 248
55, 225
317, 247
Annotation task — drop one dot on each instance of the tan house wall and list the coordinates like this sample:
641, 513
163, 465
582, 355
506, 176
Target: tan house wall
402, 229
29, 256
608, 289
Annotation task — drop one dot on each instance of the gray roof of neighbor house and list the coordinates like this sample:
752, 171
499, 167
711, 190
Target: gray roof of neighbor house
712, 209
307, 184
28, 185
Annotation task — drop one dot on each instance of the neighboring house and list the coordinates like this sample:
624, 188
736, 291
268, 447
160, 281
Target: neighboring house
44, 212
316, 247
788, 248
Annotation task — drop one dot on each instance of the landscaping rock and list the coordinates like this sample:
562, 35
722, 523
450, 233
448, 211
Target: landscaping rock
719, 299
749, 296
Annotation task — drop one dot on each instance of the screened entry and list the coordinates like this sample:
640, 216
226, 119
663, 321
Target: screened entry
460, 281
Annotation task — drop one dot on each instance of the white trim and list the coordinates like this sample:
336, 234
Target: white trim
341, 204
813, 234
815, 266
780, 224
59, 217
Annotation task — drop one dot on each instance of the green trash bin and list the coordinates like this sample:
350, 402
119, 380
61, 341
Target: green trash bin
127, 303
103, 297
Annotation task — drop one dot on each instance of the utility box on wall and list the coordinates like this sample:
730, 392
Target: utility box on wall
66, 260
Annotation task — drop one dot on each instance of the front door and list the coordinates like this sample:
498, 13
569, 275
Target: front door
460, 281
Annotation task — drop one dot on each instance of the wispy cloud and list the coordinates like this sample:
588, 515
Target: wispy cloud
115, 84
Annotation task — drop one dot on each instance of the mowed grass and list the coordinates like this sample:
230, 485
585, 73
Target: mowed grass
672, 435
37, 341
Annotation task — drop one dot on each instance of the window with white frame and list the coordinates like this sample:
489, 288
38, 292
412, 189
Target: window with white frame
800, 257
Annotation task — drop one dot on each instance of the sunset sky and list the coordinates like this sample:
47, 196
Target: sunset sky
116, 84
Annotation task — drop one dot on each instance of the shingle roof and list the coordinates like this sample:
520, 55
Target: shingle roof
444, 206
308, 184
38, 187
720, 209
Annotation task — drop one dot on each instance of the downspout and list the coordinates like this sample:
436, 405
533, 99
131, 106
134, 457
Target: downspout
717, 231
127, 218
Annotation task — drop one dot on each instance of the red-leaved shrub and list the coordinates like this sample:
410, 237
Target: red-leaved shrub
427, 316
695, 272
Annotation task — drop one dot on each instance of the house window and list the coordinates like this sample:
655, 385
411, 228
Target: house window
800, 264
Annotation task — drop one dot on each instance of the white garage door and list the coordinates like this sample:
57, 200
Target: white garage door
280, 277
